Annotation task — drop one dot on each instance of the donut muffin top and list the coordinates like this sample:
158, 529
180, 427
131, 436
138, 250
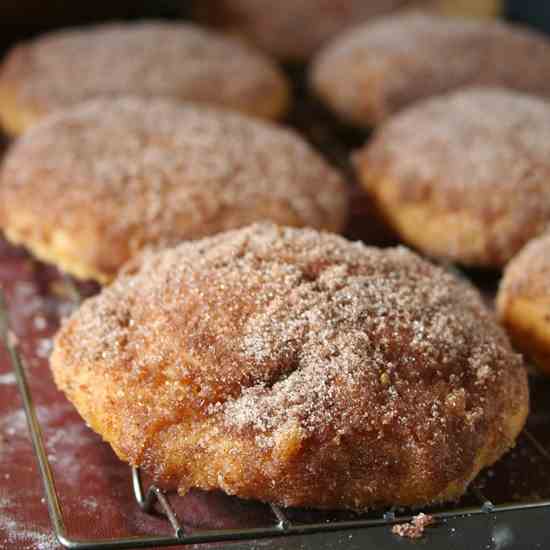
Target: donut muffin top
527, 276
384, 65
483, 153
290, 29
89, 187
298, 368
523, 302
181, 61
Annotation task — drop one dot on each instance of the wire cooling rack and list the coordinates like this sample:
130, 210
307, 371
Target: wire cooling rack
154, 500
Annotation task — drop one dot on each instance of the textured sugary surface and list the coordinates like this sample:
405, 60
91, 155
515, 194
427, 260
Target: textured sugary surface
483, 152
178, 60
382, 66
302, 368
296, 29
484, 148
119, 175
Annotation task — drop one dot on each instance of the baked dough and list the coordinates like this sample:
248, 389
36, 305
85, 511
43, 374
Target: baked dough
295, 29
290, 29
523, 301
295, 367
464, 177
180, 61
88, 188
380, 67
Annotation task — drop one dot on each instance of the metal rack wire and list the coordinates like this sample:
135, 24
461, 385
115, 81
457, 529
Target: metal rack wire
154, 498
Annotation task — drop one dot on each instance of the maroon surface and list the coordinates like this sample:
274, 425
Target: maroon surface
95, 487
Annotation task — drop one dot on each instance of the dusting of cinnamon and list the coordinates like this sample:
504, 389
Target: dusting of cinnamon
382, 66
121, 174
295, 367
295, 30
477, 160
181, 61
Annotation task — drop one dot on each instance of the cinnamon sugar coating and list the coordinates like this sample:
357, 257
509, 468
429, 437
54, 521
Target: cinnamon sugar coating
290, 29
523, 301
465, 176
296, 367
90, 187
382, 66
181, 61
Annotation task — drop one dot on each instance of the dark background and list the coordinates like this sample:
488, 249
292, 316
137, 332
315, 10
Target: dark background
23, 18
532, 12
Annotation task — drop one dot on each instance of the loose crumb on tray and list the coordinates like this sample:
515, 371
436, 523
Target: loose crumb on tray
414, 529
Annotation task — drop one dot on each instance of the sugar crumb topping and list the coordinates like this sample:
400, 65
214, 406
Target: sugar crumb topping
289, 334
155, 172
152, 58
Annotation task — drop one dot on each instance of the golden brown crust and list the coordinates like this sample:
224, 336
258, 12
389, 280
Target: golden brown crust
89, 188
523, 301
385, 65
464, 177
180, 61
293, 366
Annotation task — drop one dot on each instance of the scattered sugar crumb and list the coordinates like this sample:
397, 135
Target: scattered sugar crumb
90, 504
24, 537
44, 348
40, 322
14, 422
415, 528
7, 378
